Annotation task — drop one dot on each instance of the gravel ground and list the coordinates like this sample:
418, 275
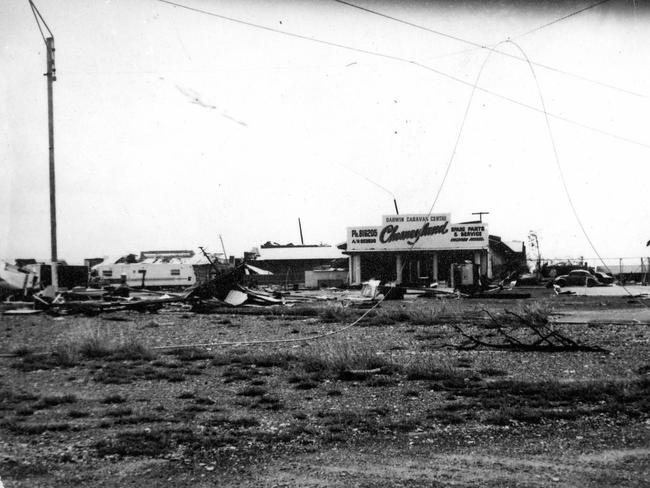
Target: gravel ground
285, 415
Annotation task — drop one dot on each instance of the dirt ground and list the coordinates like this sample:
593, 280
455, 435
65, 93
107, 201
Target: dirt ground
389, 402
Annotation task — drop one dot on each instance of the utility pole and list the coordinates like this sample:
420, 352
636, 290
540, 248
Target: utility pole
302, 241
51, 78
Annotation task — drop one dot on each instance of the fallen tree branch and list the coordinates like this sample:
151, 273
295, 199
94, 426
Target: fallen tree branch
548, 340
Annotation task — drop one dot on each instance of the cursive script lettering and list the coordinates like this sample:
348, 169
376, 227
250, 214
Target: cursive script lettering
391, 233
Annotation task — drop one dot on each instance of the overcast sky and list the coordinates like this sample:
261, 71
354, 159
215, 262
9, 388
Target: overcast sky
174, 126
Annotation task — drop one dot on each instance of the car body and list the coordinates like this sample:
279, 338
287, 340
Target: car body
577, 277
604, 278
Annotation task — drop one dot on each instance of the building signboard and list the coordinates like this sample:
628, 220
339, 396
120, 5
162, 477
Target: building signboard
433, 232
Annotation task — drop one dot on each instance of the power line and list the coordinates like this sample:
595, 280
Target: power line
561, 19
473, 49
408, 61
40, 20
559, 166
367, 179
489, 48
460, 132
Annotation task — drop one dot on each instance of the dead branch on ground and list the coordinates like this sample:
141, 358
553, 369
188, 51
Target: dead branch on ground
532, 336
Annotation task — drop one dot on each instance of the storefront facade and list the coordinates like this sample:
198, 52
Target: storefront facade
416, 249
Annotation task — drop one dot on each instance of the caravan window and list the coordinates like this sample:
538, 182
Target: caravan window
176, 272
107, 272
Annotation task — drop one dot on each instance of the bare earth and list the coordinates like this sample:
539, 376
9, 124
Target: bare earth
308, 414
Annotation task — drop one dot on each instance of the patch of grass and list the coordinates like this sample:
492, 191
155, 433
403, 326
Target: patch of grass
116, 374
335, 357
20, 470
10, 398
332, 314
236, 422
536, 313
118, 412
429, 316
131, 348
269, 402
492, 372
93, 345
22, 351
204, 401
90, 341
463, 363
194, 408
429, 368
506, 415
78, 414
252, 391
24, 411
429, 336
188, 354
447, 418
35, 429
532, 401
403, 425
136, 443
61, 357
236, 373
644, 369
349, 420
111, 399
386, 317
380, 381
277, 359
54, 400
120, 374
140, 419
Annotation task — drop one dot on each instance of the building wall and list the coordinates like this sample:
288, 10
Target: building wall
318, 278
290, 271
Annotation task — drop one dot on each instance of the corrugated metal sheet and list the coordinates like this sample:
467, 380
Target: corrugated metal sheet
300, 253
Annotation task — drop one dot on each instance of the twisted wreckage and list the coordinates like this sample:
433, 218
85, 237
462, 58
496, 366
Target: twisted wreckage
225, 290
